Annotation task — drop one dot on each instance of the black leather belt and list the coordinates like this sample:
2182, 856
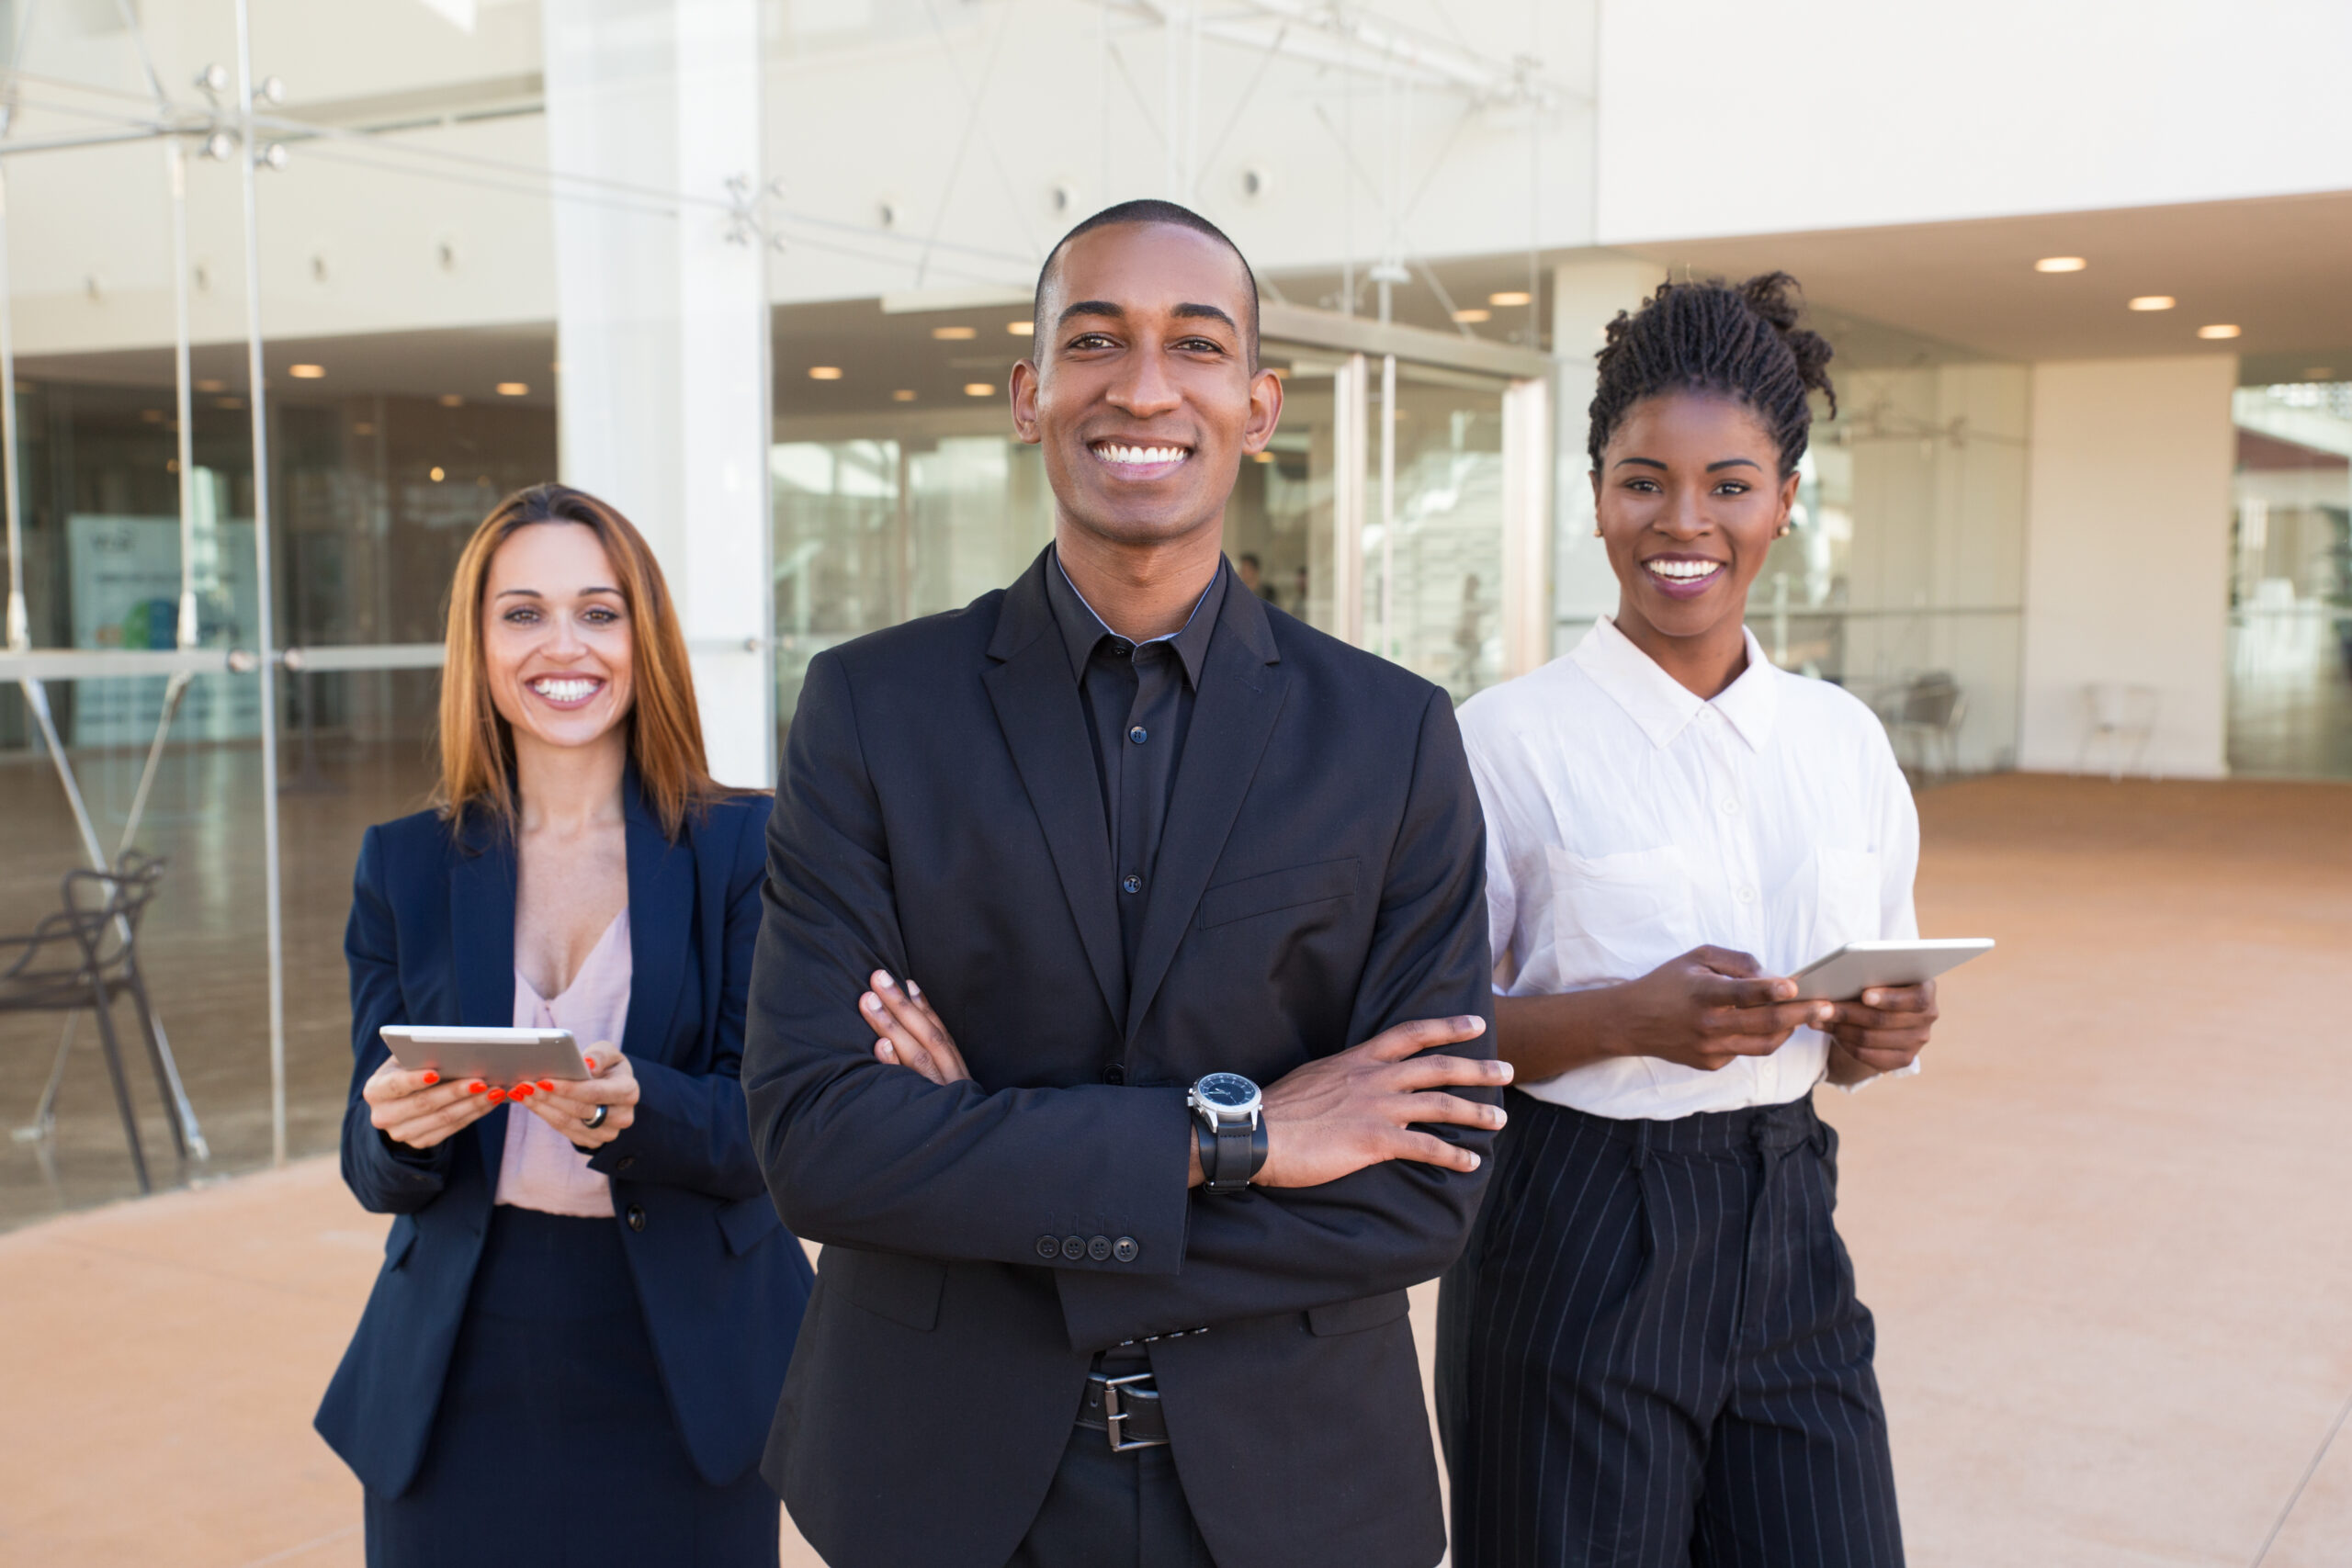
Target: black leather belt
1125, 1409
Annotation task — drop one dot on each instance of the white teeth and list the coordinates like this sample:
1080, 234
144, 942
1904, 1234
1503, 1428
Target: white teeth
1138, 456
1684, 571
559, 691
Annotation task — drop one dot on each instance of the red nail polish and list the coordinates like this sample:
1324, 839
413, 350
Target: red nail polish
497, 1095
476, 1086
547, 1084
431, 1077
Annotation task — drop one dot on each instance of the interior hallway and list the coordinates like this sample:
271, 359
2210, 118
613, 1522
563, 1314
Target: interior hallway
2103, 1234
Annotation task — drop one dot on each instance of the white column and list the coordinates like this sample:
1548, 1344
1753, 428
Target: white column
2127, 554
1586, 294
662, 323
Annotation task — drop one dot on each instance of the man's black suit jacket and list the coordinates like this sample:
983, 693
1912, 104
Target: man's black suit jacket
1319, 877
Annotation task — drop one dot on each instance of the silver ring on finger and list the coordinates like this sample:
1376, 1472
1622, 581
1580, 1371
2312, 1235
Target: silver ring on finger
595, 1118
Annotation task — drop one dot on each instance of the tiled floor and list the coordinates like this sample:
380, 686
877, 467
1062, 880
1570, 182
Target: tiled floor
2104, 1233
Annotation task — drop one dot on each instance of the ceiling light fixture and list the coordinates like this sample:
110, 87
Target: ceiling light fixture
514, 389
2154, 302
824, 372
903, 395
955, 335
306, 372
979, 389
1022, 329
2219, 330
211, 386
2318, 372
1509, 299
1472, 317
437, 476
450, 401
2060, 263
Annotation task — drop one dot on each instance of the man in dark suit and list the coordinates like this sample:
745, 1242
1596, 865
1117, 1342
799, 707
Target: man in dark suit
1088, 1297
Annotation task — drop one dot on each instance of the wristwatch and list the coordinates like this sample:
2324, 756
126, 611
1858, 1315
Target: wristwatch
1231, 1137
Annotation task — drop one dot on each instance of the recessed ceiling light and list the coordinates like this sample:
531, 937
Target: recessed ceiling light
362, 428
1022, 329
2219, 330
437, 476
2318, 372
306, 372
1510, 298
1472, 316
824, 372
955, 335
514, 389
450, 401
903, 395
210, 386
2060, 263
1262, 457
153, 416
2154, 302
979, 389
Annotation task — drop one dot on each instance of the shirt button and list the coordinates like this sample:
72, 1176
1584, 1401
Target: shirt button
1131, 884
1125, 1249
637, 1216
1049, 1246
1138, 735
1731, 807
1073, 1247
1099, 1248
1115, 1073
1748, 895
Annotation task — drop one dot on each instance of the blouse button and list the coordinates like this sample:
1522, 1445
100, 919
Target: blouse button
1731, 807
1748, 895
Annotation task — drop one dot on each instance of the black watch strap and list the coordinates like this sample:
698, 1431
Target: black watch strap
1230, 1156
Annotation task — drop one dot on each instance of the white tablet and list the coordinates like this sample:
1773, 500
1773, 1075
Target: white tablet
500, 1057
1860, 965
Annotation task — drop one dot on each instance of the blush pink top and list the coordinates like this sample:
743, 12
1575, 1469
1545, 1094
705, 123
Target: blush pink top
540, 1169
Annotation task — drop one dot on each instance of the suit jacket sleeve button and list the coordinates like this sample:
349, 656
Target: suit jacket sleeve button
1049, 1246
1073, 1247
637, 1216
1125, 1249
1099, 1248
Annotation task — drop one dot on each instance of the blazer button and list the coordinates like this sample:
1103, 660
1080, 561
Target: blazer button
1073, 1247
637, 1216
1115, 1073
1125, 1249
1049, 1247
1099, 1248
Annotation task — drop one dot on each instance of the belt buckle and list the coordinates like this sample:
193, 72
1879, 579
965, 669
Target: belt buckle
1113, 1415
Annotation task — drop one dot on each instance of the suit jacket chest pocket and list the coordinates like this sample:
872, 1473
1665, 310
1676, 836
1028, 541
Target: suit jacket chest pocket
1305, 892
1618, 916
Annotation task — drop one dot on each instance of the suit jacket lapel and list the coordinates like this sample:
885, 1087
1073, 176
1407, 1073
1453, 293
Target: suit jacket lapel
660, 920
1037, 707
1241, 693
481, 934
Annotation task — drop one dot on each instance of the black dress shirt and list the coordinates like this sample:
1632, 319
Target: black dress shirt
1138, 701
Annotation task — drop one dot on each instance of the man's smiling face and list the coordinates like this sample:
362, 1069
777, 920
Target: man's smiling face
1142, 394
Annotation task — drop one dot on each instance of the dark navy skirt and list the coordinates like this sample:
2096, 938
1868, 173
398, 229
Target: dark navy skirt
554, 1442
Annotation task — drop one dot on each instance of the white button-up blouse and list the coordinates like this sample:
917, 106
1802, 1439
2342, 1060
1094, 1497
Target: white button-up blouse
1628, 822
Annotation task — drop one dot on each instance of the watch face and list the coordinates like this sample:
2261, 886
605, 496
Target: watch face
1226, 1092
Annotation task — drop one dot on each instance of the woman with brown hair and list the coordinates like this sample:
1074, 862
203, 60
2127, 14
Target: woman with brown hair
575, 1345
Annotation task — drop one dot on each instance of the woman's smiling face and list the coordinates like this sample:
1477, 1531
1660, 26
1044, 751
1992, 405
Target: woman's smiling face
1691, 497
556, 635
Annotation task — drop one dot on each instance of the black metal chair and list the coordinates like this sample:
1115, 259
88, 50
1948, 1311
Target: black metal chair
85, 956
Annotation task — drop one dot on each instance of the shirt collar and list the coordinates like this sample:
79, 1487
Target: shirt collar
1083, 630
1663, 705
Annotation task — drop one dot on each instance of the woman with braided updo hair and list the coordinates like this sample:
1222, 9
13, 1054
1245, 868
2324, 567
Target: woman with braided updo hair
1653, 1352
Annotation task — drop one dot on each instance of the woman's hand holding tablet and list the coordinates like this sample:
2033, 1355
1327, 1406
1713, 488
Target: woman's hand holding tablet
1709, 1008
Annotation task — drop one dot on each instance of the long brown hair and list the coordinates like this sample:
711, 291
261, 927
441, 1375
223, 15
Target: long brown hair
477, 745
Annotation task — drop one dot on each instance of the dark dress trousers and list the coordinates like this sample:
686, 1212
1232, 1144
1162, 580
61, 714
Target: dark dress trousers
718, 1283
1318, 878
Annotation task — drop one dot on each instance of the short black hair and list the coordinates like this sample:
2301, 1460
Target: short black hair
1738, 341
1149, 210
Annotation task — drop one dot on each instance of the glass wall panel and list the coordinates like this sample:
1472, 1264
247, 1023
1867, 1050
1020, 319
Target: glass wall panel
2290, 582
1433, 593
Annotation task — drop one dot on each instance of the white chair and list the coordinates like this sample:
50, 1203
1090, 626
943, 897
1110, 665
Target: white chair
2122, 715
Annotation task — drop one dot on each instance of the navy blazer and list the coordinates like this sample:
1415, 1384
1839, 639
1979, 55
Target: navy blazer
720, 1282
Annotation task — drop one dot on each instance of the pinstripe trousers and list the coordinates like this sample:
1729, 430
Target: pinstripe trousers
1651, 1353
